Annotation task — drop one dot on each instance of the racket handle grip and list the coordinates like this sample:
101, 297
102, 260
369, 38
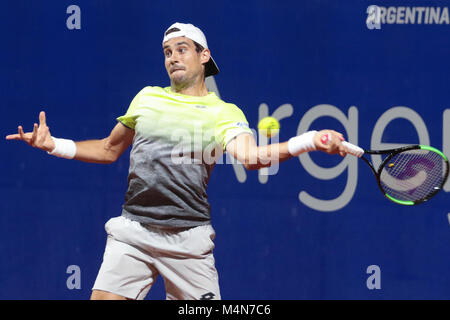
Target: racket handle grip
353, 150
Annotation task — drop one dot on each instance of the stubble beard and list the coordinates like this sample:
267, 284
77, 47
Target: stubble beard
183, 82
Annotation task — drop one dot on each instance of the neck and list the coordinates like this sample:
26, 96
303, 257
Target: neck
198, 89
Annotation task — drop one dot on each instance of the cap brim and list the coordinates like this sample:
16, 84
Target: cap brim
211, 68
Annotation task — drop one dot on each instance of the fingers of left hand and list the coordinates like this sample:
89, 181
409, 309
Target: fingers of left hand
34, 135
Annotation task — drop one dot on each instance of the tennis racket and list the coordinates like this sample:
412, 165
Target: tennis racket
408, 175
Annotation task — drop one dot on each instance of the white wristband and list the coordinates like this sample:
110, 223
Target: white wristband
64, 148
302, 143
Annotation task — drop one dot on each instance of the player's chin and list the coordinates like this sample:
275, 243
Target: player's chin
178, 77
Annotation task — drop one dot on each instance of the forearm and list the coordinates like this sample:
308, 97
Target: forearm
95, 151
266, 156
254, 157
106, 150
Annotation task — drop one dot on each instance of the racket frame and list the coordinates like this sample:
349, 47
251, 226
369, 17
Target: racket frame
392, 153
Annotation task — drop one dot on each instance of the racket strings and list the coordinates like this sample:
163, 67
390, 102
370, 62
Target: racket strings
413, 175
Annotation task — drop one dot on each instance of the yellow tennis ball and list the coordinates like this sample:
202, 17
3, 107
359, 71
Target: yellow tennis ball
269, 126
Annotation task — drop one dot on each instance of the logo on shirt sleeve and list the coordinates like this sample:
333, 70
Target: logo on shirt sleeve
241, 124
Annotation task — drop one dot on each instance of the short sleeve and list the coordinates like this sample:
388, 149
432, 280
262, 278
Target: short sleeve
231, 122
129, 119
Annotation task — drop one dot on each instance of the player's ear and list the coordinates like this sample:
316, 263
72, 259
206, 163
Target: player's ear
205, 55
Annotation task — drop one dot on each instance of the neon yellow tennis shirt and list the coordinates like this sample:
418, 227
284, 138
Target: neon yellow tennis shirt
177, 140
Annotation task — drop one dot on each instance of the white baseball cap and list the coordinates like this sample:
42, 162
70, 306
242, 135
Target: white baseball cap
195, 34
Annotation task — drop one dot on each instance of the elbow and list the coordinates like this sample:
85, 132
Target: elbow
111, 158
249, 166
249, 162
110, 154
253, 160
257, 163
253, 163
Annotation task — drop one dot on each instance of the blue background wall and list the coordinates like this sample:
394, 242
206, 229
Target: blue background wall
269, 244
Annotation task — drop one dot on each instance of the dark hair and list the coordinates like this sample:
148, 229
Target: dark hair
198, 47
171, 31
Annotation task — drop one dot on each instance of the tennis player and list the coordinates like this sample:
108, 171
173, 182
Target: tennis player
177, 133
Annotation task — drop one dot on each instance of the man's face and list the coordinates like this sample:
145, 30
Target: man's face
183, 63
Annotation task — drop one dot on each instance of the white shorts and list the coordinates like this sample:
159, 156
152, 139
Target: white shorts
135, 255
